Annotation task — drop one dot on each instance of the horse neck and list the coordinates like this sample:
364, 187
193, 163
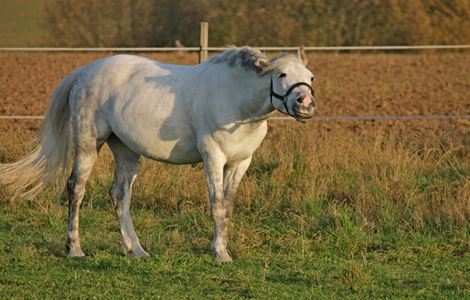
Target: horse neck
252, 99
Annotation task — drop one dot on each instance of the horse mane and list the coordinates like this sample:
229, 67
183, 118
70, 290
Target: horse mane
280, 60
246, 57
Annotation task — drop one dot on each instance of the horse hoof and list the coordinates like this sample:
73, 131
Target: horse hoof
76, 254
140, 253
223, 257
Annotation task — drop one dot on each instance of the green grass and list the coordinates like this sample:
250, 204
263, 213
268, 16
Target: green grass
341, 215
273, 259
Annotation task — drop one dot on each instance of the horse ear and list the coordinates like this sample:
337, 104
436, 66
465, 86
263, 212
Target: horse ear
302, 56
261, 62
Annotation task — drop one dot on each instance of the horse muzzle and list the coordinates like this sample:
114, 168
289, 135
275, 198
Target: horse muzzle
304, 107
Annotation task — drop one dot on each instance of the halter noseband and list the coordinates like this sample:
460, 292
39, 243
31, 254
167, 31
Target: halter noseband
284, 97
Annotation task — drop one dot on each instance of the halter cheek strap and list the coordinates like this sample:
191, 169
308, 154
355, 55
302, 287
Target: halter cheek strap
284, 97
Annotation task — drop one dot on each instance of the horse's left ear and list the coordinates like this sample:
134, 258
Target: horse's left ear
302, 56
261, 63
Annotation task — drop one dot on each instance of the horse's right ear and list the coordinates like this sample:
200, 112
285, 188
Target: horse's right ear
261, 63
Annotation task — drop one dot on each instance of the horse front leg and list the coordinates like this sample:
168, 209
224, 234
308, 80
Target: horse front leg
214, 163
233, 174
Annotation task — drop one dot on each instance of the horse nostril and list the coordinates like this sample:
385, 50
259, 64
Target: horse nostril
314, 103
299, 99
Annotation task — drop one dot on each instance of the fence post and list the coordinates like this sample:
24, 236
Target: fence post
204, 41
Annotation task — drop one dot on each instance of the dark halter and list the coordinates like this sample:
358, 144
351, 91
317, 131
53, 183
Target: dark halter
286, 95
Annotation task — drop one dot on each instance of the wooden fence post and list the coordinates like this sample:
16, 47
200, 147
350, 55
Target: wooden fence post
204, 41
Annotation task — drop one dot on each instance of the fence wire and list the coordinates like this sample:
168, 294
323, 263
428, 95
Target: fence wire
327, 118
275, 48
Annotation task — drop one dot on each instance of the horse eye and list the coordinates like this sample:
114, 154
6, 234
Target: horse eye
282, 75
312, 79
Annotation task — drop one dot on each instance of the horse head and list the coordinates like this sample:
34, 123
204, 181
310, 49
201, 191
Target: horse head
291, 90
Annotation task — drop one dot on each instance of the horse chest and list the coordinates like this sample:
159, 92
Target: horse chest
241, 143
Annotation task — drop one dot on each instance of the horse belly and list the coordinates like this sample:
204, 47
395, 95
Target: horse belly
178, 151
175, 152
161, 138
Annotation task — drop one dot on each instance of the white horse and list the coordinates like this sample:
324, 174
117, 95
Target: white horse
214, 112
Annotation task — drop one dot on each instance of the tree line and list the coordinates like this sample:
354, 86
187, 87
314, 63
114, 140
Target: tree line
257, 22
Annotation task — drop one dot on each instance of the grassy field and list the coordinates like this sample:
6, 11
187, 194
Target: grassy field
392, 223
327, 210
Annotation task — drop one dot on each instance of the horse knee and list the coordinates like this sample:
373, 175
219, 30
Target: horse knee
70, 185
73, 188
75, 191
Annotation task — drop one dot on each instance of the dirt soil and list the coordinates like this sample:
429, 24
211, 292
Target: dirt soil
347, 84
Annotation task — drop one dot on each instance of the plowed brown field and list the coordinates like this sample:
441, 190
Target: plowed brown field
347, 84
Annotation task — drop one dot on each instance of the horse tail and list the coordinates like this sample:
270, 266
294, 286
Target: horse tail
49, 162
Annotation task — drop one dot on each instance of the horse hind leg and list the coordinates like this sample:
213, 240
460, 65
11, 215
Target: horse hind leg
89, 137
127, 163
82, 166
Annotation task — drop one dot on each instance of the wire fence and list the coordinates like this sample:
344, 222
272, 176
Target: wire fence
384, 118
327, 118
216, 49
